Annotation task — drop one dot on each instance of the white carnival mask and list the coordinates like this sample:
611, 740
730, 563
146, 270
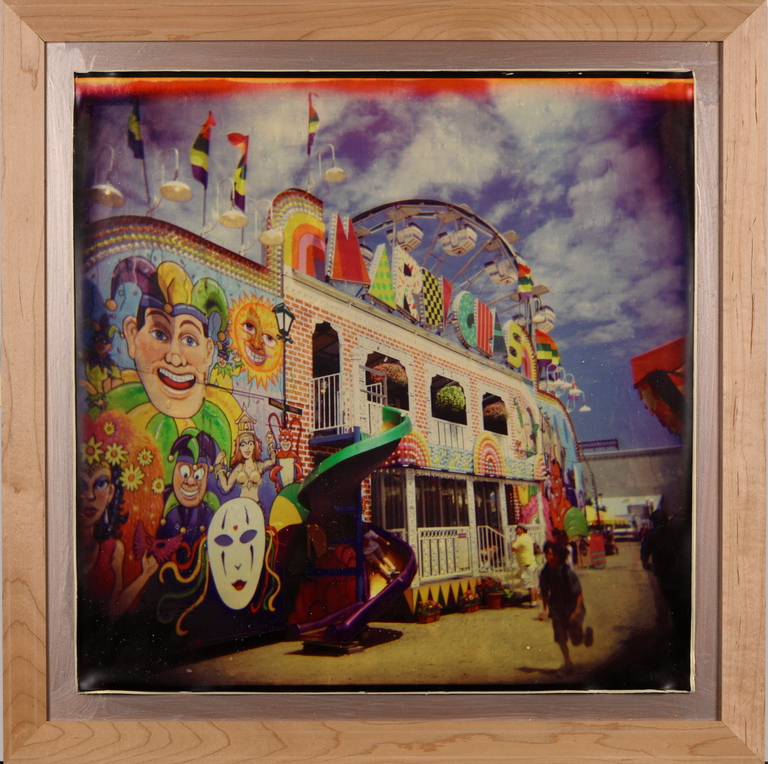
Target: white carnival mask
236, 541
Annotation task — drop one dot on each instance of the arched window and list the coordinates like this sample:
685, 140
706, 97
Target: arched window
383, 368
495, 414
325, 351
448, 400
326, 368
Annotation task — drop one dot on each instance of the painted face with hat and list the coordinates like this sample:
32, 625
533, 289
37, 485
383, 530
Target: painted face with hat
169, 338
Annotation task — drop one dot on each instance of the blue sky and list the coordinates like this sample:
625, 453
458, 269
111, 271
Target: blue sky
595, 180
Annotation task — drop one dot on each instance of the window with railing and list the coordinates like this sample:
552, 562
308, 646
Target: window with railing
393, 376
326, 383
449, 411
327, 403
375, 398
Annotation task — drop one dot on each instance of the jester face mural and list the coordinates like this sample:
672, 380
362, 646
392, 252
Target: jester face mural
172, 356
236, 542
253, 330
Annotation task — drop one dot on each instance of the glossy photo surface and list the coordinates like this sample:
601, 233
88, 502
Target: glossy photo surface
384, 382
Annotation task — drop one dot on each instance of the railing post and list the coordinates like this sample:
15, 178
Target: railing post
473, 553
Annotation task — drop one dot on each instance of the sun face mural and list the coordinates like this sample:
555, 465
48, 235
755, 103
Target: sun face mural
253, 331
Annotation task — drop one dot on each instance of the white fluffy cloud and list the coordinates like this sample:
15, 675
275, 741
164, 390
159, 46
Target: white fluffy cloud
570, 175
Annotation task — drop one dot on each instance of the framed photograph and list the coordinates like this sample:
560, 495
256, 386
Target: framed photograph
299, 421
316, 433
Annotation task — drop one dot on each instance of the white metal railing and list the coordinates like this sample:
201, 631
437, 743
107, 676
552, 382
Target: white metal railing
443, 552
373, 412
450, 434
327, 403
491, 549
401, 533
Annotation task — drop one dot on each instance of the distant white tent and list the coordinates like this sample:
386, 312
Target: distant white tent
626, 507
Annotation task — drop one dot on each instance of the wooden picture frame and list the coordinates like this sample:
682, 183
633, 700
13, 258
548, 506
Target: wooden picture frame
737, 733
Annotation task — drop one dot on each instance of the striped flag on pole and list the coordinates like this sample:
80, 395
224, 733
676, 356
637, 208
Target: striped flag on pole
240, 141
198, 157
546, 350
314, 123
135, 142
524, 282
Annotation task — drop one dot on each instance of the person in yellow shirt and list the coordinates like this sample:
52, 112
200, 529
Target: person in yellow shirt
522, 546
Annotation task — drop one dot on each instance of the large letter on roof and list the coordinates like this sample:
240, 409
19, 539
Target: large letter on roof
301, 216
345, 260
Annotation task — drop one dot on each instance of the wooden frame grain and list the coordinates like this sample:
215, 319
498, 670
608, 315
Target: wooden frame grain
737, 734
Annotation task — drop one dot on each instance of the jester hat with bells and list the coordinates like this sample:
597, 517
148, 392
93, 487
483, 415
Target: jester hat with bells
169, 288
175, 384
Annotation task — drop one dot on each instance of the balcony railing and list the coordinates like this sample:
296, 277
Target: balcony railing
443, 552
373, 411
450, 434
329, 416
491, 549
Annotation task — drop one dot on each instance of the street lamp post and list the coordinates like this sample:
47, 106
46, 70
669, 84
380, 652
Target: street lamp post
284, 323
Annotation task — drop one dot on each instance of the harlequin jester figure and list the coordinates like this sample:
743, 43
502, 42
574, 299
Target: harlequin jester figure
100, 372
224, 369
186, 511
169, 339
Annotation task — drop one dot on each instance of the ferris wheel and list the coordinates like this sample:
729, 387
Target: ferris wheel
451, 241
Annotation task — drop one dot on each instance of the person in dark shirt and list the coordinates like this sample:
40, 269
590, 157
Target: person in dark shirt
561, 595
666, 550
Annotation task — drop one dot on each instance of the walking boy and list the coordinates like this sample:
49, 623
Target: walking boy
561, 594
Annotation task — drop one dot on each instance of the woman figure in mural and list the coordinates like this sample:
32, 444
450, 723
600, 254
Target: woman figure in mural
120, 489
171, 342
245, 468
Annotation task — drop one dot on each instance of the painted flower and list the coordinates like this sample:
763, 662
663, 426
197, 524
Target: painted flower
92, 451
158, 485
109, 428
145, 457
132, 477
115, 454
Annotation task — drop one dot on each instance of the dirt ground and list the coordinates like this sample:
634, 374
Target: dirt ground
489, 647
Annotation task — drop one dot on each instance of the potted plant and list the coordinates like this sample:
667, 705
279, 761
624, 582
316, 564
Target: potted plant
394, 372
451, 398
493, 593
495, 417
428, 611
469, 602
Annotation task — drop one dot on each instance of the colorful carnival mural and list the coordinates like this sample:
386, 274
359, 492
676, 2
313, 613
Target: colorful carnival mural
303, 407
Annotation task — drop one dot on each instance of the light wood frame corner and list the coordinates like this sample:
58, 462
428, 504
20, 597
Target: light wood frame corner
738, 734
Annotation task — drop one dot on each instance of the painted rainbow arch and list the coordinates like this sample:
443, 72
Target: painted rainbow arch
413, 451
488, 458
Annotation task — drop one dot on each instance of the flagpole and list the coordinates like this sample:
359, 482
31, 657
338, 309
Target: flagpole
144, 167
207, 165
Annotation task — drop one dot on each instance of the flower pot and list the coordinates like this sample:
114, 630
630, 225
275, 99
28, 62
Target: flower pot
428, 617
493, 599
473, 608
